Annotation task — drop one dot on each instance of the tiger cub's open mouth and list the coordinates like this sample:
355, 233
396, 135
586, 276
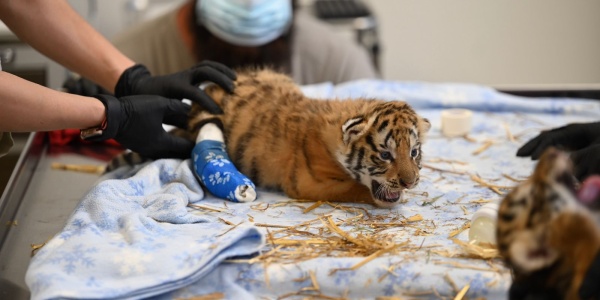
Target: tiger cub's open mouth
384, 193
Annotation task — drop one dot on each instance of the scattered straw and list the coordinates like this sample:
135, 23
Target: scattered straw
12, 223
463, 266
36, 247
465, 211
444, 170
512, 178
94, 169
484, 147
451, 282
462, 292
477, 251
230, 229
493, 187
314, 206
213, 296
226, 222
206, 207
464, 227
509, 135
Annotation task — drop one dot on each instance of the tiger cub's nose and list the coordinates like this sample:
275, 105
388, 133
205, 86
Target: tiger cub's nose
407, 184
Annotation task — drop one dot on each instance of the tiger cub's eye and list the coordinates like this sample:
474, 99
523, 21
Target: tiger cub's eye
385, 155
414, 152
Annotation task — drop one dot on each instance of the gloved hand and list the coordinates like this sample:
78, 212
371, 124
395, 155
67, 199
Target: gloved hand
136, 123
582, 139
82, 86
586, 161
137, 80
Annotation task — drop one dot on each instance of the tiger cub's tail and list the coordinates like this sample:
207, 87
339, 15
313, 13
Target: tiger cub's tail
125, 159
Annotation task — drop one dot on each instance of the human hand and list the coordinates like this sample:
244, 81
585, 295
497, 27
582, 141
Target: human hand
137, 80
570, 137
136, 123
82, 86
583, 139
586, 161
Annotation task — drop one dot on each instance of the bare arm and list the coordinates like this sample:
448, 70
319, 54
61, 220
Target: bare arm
27, 106
57, 31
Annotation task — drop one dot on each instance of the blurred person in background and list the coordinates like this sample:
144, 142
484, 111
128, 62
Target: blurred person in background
240, 33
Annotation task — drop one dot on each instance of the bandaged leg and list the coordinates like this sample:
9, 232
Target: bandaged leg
214, 169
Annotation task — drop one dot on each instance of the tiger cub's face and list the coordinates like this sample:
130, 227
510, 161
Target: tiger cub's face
525, 213
382, 150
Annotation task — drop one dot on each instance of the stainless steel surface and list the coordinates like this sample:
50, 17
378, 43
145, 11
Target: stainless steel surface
38, 201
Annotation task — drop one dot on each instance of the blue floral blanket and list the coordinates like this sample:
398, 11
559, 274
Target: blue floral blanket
153, 232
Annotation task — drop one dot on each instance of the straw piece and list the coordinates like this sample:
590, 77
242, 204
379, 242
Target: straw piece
444, 160
465, 211
462, 266
206, 207
94, 169
308, 209
451, 282
36, 247
213, 296
462, 292
230, 229
444, 170
270, 225
478, 251
464, 227
484, 147
512, 178
415, 218
226, 222
509, 135
493, 187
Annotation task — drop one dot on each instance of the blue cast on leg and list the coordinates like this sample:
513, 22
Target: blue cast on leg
215, 171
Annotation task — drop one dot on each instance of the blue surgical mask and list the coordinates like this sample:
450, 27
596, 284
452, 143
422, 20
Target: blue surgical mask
245, 22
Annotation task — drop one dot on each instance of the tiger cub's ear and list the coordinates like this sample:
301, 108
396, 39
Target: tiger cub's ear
353, 129
423, 125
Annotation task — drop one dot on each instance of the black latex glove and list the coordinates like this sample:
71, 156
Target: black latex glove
586, 161
136, 123
137, 80
582, 139
82, 86
570, 137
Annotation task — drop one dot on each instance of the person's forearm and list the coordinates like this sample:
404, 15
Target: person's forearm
26, 106
57, 31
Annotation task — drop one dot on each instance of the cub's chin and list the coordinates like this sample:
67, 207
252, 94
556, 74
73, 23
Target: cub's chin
385, 197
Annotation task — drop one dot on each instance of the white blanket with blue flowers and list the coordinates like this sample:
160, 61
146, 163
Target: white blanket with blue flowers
154, 232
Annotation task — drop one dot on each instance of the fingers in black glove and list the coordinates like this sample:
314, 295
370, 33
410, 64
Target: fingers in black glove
82, 86
570, 137
181, 85
586, 161
136, 123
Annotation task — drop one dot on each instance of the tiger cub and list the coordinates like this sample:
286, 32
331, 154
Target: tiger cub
352, 150
544, 234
